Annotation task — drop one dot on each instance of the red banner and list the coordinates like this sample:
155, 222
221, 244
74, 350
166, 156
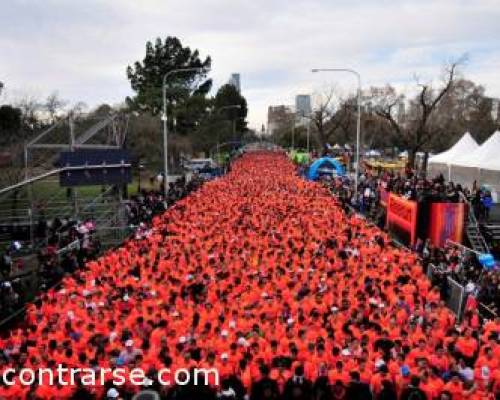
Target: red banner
446, 222
402, 219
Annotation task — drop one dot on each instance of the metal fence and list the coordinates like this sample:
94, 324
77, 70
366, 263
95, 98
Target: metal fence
453, 292
27, 279
485, 312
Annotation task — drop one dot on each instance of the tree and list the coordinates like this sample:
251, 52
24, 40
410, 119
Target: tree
30, 107
78, 109
415, 129
10, 119
144, 139
146, 77
228, 95
326, 119
54, 105
190, 114
465, 108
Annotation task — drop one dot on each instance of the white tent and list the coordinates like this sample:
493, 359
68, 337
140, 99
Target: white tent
441, 163
483, 157
463, 147
373, 153
482, 165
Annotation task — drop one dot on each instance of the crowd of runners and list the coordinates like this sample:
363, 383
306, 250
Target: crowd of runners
263, 276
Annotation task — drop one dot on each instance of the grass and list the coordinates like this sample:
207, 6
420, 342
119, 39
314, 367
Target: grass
50, 193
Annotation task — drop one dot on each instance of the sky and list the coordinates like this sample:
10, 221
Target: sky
81, 48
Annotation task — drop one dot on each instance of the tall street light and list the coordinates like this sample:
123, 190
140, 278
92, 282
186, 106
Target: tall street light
358, 127
165, 120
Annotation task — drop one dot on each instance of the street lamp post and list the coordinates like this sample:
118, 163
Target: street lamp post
308, 134
358, 127
165, 120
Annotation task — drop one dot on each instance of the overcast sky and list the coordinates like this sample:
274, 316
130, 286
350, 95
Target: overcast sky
81, 48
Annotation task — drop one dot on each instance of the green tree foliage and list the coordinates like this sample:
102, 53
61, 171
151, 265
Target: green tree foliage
146, 77
228, 95
10, 119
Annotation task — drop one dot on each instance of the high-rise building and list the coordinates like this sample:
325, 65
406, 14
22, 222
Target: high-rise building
278, 116
495, 109
303, 105
234, 80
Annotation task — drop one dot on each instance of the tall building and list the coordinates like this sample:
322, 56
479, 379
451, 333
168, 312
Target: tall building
495, 109
278, 116
303, 104
401, 111
234, 80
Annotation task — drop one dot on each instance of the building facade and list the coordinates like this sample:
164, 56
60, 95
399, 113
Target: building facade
234, 80
303, 104
278, 116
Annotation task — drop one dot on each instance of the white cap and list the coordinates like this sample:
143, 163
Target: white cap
224, 332
232, 324
112, 394
129, 343
290, 321
182, 339
224, 356
379, 363
346, 352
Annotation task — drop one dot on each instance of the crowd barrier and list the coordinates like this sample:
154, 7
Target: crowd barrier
486, 312
28, 281
452, 291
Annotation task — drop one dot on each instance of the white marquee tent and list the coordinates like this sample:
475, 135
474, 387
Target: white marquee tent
484, 156
441, 163
481, 165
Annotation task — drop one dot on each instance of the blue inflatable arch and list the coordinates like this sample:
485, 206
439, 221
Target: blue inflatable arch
313, 172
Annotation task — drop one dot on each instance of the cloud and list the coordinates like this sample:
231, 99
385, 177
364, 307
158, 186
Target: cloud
81, 48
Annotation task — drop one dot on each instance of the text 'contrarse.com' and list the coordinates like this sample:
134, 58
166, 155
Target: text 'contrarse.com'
62, 376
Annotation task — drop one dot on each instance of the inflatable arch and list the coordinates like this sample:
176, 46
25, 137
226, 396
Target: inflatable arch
314, 169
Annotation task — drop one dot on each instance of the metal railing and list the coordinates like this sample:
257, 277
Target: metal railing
452, 291
473, 223
109, 237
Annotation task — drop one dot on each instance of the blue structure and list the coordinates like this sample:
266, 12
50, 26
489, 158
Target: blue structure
487, 261
325, 162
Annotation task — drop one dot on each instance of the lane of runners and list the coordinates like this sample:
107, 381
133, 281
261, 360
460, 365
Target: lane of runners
258, 268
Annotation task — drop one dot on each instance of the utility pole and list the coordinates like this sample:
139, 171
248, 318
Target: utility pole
165, 122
